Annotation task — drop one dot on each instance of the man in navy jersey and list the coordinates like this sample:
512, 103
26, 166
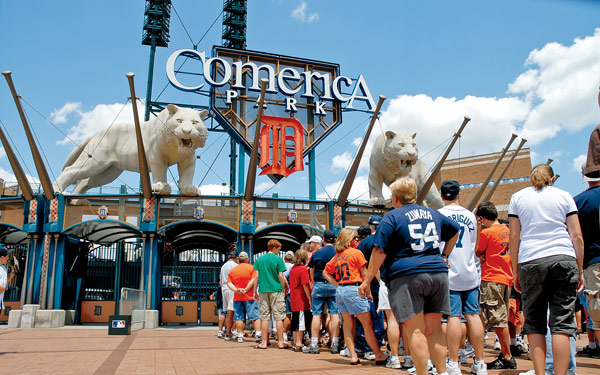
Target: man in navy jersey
407, 249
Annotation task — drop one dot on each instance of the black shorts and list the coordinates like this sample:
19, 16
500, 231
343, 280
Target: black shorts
427, 292
549, 283
296, 315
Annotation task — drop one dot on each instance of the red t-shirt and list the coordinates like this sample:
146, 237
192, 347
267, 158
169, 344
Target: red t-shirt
345, 266
240, 276
298, 298
497, 267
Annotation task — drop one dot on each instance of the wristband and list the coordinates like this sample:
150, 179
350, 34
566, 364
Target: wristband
443, 255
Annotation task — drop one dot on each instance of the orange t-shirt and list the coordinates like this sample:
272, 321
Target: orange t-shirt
345, 266
240, 276
494, 243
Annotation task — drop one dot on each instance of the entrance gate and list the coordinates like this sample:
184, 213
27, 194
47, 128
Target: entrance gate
109, 268
189, 278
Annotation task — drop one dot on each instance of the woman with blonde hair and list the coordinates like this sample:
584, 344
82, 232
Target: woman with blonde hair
546, 248
346, 272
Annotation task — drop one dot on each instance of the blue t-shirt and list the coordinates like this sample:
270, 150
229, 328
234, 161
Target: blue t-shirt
588, 203
319, 259
410, 236
366, 246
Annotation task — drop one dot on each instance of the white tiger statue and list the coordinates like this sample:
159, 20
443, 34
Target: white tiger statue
170, 138
396, 155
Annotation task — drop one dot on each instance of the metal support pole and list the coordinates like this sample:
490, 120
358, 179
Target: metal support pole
479, 193
52, 283
438, 167
143, 162
25, 284
16, 167
343, 197
37, 158
150, 77
32, 272
142, 261
251, 180
150, 264
489, 194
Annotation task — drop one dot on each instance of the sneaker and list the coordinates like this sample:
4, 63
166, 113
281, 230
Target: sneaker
497, 344
240, 338
595, 353
345, 353
479, 368
430, 369
227, 337
220, 334
393, 362
369, 356
547, 372
408, 362
335, 349
500, 363
452, 368
462, 357
258, 338
469, 350
516, 351
311, 350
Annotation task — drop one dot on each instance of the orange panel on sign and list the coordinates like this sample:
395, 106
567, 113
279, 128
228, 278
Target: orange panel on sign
179, 312
208, 312
97, 311
8, 305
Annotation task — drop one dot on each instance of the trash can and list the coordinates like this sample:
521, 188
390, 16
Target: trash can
119, 325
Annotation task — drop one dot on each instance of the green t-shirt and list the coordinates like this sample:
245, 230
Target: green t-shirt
268, 267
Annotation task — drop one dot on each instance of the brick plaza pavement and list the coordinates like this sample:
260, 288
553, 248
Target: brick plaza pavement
182, 350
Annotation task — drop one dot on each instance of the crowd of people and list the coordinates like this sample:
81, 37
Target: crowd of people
428, 285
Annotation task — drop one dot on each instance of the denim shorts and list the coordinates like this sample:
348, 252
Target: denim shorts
241, 309
464, 302
323, 292
288, 304
348, 300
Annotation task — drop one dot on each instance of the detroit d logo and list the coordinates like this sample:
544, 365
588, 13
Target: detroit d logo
284, 133
98, 310
179, 310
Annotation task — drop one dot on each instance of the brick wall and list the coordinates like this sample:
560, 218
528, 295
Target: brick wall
471, 172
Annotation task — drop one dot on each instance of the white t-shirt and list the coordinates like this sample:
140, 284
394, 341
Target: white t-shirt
228, 266
543, 216
463, 274
3, 282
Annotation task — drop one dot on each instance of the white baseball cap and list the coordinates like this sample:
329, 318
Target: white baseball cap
585, 178
315, 239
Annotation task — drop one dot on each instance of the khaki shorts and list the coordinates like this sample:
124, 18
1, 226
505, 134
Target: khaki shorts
592, 293
271, 303
494, 304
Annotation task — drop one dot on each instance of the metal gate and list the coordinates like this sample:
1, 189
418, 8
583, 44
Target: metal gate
190, 275
109, 268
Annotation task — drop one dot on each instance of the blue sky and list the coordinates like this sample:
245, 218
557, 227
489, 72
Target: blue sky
529, 67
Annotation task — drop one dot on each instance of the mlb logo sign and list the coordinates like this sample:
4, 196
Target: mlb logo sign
118, 324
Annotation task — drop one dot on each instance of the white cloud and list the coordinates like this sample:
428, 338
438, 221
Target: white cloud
341, 162
100, 117
562, 86
301, 15
558, 92
59, 116
263, 187
578, 161
358, 192
214, 189
9, 176
2, 152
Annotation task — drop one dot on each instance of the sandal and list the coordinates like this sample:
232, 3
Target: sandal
296, 348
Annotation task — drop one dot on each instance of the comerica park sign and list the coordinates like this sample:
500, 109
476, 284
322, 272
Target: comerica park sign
218, 72
308, 93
